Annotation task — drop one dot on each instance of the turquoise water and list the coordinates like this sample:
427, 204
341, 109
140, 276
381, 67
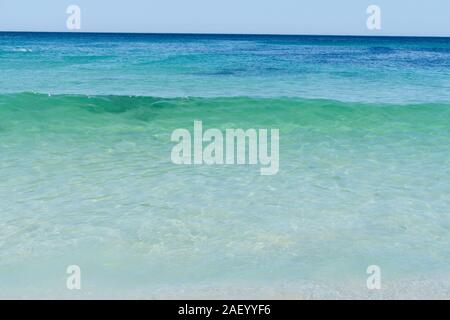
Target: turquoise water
87, 179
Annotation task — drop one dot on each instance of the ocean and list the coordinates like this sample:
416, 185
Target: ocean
86, 176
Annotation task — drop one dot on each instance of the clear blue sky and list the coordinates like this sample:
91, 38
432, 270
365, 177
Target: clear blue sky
399, 17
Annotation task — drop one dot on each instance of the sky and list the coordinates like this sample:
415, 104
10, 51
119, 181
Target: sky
336, 17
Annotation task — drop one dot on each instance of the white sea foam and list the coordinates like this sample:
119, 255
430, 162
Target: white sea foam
20, 50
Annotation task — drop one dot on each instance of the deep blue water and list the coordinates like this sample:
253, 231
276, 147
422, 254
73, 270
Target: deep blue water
372, 69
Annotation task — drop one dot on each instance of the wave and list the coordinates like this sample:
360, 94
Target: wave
18, 50
29, 96
36, 107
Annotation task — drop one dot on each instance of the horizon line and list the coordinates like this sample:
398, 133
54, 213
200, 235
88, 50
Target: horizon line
226, 34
